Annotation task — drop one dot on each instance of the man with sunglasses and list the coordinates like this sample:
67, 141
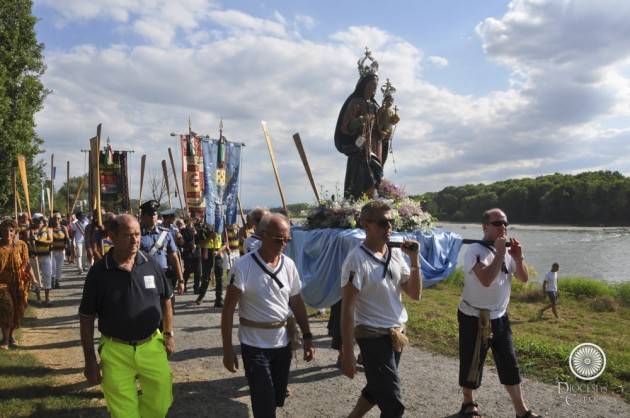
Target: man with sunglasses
482, 314
373, 277
266, 285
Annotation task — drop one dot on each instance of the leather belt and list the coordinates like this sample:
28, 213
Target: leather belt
133, 343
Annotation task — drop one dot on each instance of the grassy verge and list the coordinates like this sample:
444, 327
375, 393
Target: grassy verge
590, 311
27, 389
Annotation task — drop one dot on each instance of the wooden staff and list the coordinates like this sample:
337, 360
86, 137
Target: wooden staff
76, 199
143, 161
51, 197
307, 167
68, 187
168, 189
273, 163
98, 173
15, 196
22, 168
179, 195
240, 208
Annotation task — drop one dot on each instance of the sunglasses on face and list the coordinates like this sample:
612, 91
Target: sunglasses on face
280, 239
499, 223
383, 222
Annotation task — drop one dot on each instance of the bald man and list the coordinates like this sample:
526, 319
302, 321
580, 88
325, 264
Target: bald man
129, 292
266, 285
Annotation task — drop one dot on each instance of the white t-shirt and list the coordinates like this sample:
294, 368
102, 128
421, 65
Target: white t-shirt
262, 299
79, 232
552, 281
495, 297
379, 302
252, 243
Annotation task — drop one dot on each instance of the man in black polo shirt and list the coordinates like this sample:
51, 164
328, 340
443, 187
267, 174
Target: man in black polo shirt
130, 294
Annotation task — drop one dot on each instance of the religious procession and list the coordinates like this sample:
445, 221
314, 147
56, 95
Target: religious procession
180, 300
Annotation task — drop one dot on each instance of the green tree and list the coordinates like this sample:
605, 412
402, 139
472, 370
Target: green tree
21, 96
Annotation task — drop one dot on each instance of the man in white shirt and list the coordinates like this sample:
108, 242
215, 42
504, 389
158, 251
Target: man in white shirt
482, 314
373, 277
550, 287
266, 286
78, 233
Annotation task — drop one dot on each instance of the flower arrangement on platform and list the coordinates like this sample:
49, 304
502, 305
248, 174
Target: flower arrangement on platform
340, 213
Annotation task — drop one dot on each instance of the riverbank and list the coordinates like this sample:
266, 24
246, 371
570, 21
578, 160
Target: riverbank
590, 311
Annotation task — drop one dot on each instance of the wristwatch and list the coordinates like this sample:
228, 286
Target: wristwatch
169, 333
307, 336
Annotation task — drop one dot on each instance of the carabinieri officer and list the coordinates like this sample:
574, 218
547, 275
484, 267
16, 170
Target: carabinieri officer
130, 294
159, 243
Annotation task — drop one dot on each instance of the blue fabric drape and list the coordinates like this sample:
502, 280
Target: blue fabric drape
221, 198
319, 254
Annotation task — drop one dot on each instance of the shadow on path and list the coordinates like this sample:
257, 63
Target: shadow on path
214, 398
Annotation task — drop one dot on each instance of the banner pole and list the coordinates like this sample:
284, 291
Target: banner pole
143, 161
168, 189
179, 194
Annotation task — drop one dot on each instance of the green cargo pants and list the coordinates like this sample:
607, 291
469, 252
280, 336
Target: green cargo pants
122, 364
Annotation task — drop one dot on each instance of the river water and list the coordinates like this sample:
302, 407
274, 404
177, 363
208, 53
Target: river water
601, 253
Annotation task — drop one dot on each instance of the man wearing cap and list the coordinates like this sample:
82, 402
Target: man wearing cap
159, 243
130, 294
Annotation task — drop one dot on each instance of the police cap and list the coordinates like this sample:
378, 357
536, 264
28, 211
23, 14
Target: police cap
168, 212
149, 207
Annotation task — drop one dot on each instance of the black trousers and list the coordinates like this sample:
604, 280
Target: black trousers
172, 277
334, 326
213, 261
381, 371
502, 350
267, 372
192, 266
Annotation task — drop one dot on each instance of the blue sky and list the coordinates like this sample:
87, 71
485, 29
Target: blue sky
486, 89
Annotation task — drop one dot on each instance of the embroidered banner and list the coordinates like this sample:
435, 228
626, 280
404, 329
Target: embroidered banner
192, 175
114, 178
222, 167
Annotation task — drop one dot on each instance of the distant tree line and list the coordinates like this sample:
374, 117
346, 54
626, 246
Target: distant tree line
590, 198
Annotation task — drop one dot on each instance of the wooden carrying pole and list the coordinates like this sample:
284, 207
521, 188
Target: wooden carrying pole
273, 163
68, 187
22, 168
168, 189
240, 209
98, 174
76, 199
179, 195
15, 196
51, 197
143, 161
307, 167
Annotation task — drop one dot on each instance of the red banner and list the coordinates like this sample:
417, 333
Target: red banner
192, 175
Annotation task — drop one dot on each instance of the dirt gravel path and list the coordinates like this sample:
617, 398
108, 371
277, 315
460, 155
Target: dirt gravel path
204, 388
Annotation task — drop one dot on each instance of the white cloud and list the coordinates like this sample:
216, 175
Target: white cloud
304, 21
438, 61
553, 117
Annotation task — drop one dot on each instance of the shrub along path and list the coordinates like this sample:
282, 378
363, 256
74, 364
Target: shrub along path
204, 388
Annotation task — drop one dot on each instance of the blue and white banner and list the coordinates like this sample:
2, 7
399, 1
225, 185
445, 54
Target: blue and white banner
222, 172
